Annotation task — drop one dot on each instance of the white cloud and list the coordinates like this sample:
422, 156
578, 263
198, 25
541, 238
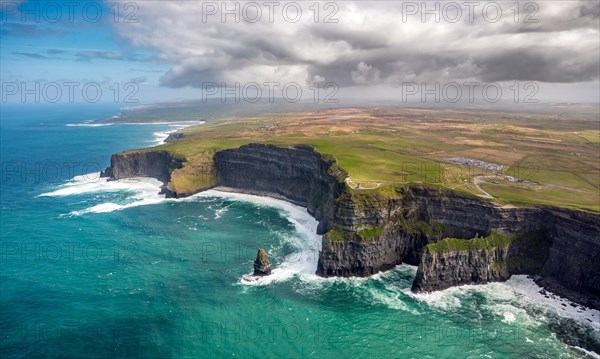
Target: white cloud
365, 74
369, 44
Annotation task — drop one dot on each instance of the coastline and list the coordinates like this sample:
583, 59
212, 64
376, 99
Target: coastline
537, 293
543, 299
545, 287
260, 170
366, 232
542, 289
351, 279
528, 286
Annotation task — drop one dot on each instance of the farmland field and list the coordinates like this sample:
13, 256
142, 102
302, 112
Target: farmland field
550, 159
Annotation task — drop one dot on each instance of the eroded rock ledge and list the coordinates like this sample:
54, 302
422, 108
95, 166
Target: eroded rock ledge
370, 231
154, 164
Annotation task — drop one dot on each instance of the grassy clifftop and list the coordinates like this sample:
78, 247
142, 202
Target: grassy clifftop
545, 159
456, 244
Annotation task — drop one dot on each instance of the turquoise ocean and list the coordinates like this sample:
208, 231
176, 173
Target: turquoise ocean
90, 269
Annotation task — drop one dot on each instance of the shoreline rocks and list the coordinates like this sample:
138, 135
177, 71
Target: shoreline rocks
174, 136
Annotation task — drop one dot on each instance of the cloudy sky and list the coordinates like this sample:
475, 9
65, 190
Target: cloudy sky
173, 50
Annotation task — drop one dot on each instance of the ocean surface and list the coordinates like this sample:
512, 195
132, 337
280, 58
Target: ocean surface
94, 269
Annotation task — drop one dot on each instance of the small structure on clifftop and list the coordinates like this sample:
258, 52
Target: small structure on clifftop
262, 265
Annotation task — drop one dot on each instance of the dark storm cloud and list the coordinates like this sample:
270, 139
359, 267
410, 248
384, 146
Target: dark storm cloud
370, 45
188, 75
585, 15
390, 65
590, 10
539, 64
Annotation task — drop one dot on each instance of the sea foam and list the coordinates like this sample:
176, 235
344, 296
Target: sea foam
142, 191
302, 263
161, 136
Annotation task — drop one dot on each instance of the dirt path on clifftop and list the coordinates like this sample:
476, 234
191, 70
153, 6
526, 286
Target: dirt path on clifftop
479, 179
359, 186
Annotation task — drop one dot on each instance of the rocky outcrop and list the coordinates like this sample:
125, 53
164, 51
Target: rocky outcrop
174, 137
154, 164
443, 270
361, 258
559, 244
262, 265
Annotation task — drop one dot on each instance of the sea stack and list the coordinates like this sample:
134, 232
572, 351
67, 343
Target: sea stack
262, 266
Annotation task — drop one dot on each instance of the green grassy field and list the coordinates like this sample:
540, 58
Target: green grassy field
558, 155
455, 244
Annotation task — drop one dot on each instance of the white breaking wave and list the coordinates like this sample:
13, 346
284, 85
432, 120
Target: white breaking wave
391, 296
161, 136
144, 191
219, 212
509, 302
586, 353
302, 263
170, 123
562, 307
88, 124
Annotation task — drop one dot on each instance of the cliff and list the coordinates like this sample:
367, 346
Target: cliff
299, 174
496, 257
367, 231
155, 164
400, 224
573, 258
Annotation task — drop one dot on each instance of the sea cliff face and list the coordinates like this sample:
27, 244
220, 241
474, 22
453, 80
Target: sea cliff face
367, 231
441, 270
298, 174
496, 257
154, 164
574, 257
407, 221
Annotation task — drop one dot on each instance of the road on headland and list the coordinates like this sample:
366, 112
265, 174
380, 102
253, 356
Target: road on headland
479, 179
